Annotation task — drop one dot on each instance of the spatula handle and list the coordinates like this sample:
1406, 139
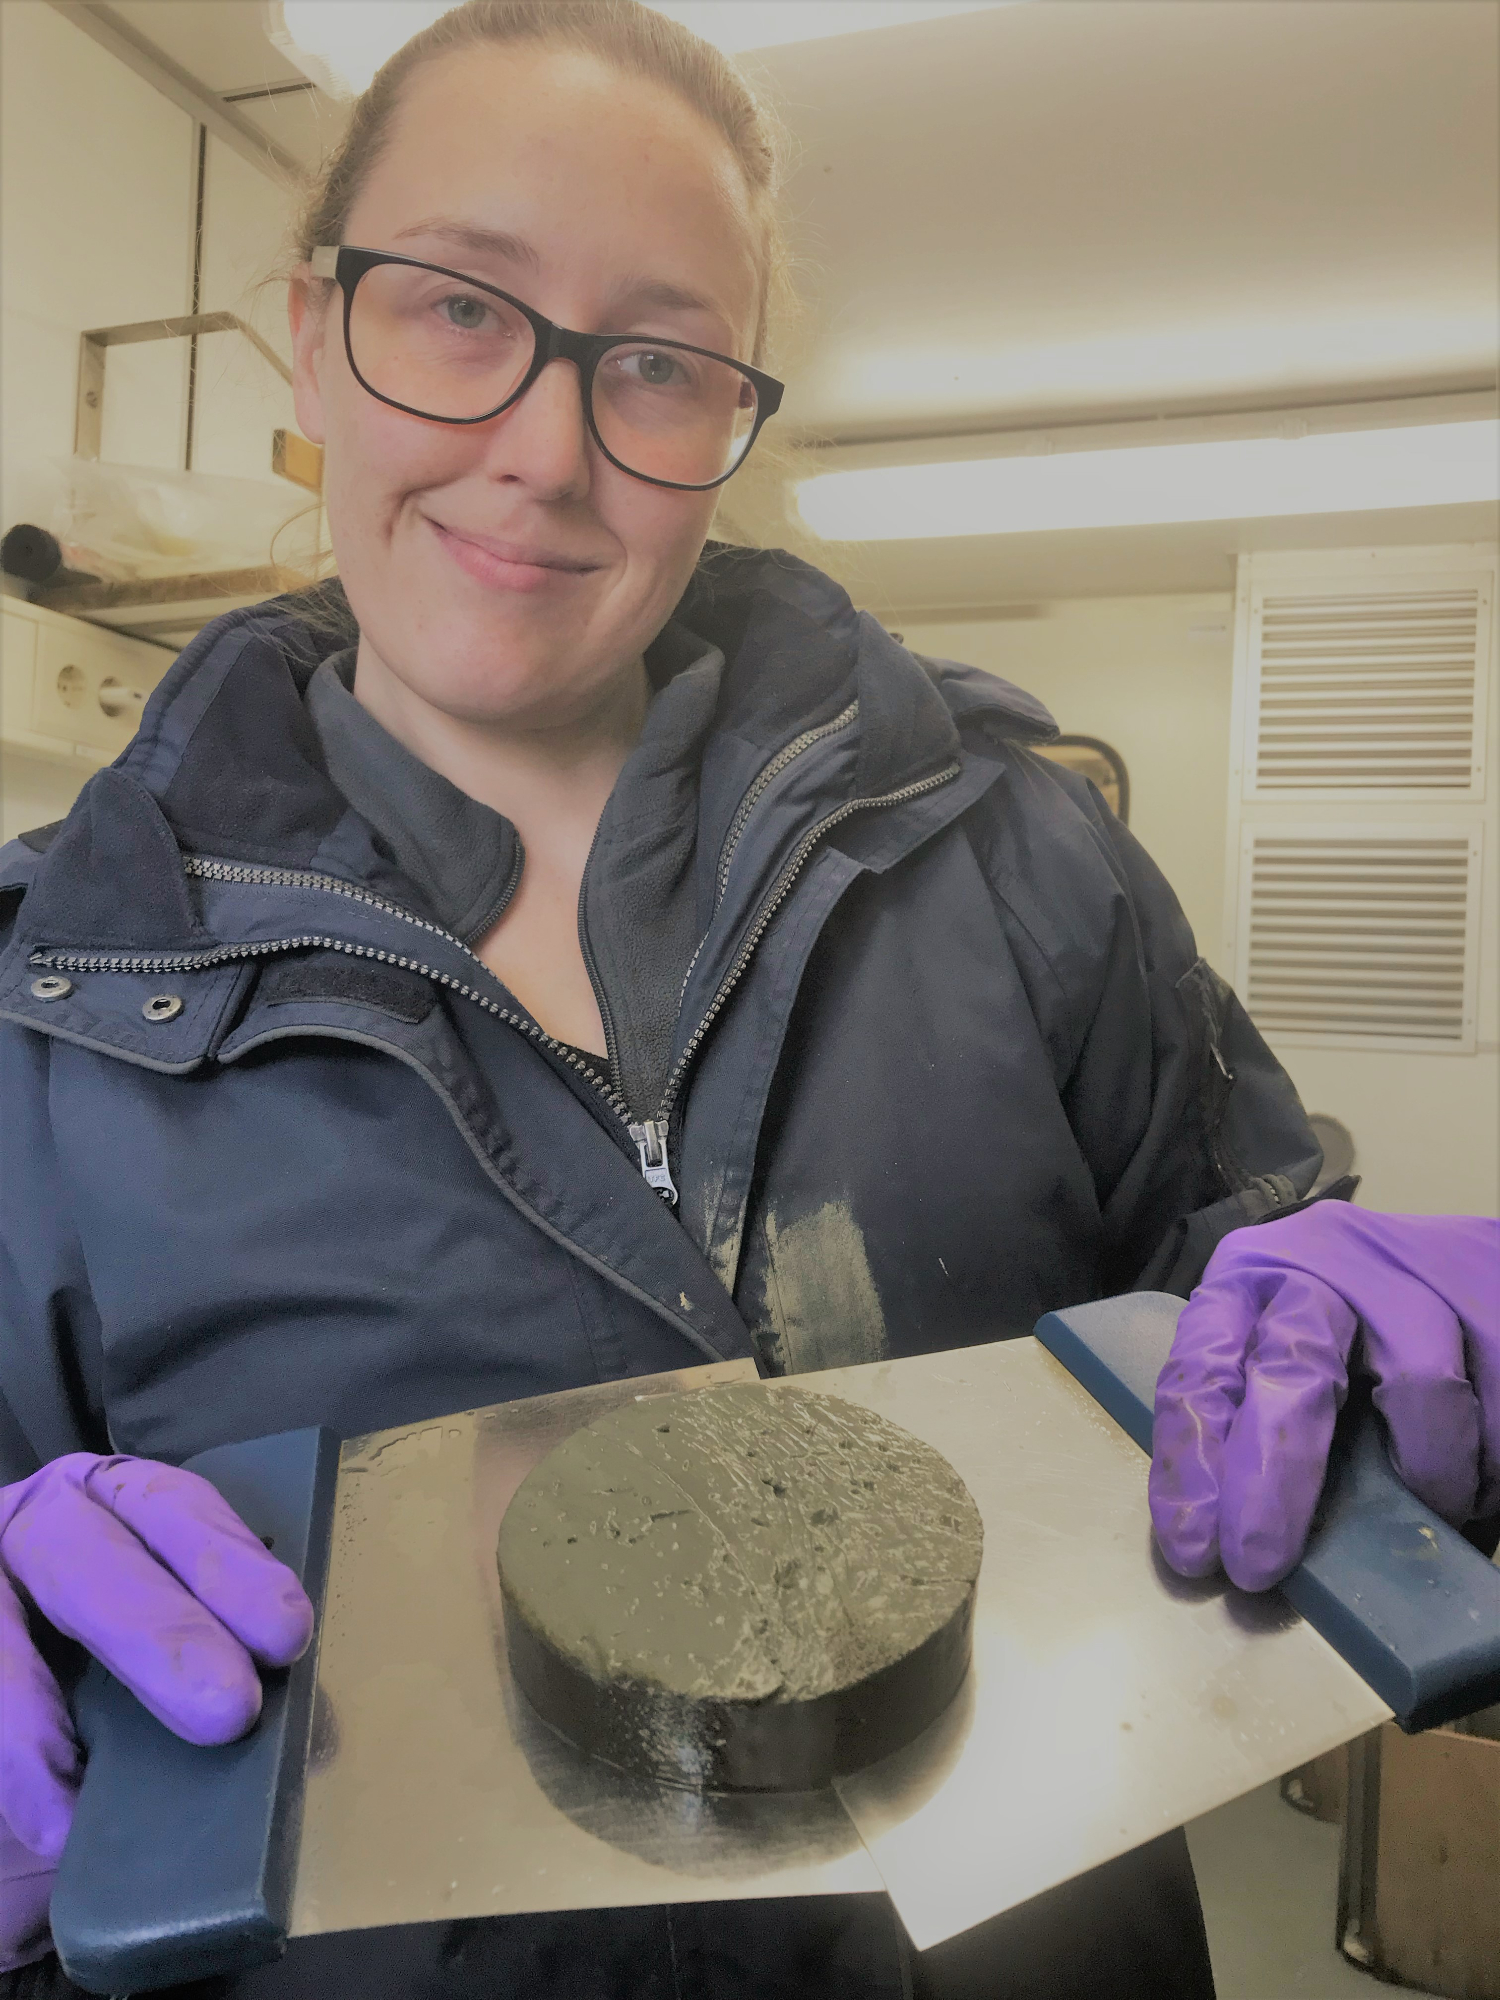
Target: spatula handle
181, 1860
1412, 1607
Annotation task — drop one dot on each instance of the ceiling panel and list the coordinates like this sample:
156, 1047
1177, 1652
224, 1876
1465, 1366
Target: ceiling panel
1097, 205
1093, 209
222, 43
1093, 205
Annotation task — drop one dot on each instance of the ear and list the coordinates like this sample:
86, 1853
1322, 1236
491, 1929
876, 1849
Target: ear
311, 305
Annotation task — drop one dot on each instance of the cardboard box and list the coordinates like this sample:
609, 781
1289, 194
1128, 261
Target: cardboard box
1419, 1877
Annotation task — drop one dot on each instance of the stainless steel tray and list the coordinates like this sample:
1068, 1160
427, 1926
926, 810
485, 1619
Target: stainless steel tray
1109, 1700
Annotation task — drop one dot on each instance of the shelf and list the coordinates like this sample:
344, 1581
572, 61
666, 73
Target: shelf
159, 605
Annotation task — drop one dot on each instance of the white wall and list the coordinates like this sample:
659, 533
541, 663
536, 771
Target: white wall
241, 399
96, 211
98, 182
1426, 1127
96, 219
34, 791
1152, 676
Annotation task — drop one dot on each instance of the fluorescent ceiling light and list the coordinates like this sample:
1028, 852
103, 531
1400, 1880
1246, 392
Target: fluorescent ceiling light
971, 368
1419, 465
341, 43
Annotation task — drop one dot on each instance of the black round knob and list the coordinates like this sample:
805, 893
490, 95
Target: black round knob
30, 553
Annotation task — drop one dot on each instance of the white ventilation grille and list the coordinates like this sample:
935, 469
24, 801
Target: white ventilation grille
1361, 934
1375, 691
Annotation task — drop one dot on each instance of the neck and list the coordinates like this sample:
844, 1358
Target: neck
539, 773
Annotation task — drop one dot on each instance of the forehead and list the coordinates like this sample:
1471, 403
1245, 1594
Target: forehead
608, 177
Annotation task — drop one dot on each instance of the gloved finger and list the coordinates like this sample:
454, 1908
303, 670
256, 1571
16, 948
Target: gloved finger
1197, 1394
1433, 1428
90, 1576
1413, 1345
1459, 1256
1427, 1291
190, 1527
1276, 1453
25, 1892
39, 1756
1484, 1373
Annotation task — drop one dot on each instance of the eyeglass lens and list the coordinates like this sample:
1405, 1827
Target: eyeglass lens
446, 350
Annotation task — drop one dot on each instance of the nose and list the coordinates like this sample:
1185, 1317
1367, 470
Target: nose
542, 442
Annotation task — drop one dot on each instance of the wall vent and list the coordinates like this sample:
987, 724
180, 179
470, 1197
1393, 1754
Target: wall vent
1366, 935
1368, 690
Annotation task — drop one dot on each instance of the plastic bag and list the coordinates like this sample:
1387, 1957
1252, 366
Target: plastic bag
128, 522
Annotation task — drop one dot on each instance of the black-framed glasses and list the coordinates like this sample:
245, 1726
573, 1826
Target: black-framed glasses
446, 346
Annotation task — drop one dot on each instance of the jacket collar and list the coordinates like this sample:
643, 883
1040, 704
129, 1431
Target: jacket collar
799, 652
227, 761
462, 855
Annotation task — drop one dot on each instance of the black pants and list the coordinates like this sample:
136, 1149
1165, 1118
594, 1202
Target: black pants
1131, 1930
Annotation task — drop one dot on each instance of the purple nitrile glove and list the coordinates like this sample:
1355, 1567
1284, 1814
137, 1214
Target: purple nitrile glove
1259, 1369
25, 1894
157, 1576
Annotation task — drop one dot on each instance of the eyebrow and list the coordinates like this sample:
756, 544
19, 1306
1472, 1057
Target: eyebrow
635, 292
484, 242
671, 298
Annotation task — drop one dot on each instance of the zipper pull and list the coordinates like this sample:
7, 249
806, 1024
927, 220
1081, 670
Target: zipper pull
651, 1143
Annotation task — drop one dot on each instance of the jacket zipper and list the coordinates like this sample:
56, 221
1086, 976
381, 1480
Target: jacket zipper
844, 720
301, 878
757, 931
747, 805
601, 1000
649, 1137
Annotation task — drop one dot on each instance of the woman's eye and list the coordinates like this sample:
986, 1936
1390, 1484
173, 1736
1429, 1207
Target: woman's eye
653, 368
464, 311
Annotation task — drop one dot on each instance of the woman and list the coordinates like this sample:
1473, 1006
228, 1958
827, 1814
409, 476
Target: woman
602, 954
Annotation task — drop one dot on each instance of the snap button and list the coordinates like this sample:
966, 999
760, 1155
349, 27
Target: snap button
53, 987
163, 1007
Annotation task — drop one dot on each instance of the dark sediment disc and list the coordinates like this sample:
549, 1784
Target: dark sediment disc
746, 1588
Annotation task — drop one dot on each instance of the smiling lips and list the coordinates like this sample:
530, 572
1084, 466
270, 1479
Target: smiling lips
506, 565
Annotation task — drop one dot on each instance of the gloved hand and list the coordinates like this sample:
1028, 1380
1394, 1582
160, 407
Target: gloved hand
25, 1893
1259, 1369
157, 1576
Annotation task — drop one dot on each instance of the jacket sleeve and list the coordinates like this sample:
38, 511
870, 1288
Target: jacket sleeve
1189, 1125
51, 1398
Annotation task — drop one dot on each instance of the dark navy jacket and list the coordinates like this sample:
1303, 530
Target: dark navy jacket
281, 1151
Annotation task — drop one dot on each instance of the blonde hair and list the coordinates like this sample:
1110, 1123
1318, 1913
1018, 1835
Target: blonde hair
623, 32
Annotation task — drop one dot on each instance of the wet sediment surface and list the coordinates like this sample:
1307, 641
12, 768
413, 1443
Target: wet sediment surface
745, 1588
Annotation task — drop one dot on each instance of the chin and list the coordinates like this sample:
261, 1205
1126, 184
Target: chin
490, 671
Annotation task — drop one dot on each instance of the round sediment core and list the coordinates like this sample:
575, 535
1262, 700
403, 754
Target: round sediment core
743, 1588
